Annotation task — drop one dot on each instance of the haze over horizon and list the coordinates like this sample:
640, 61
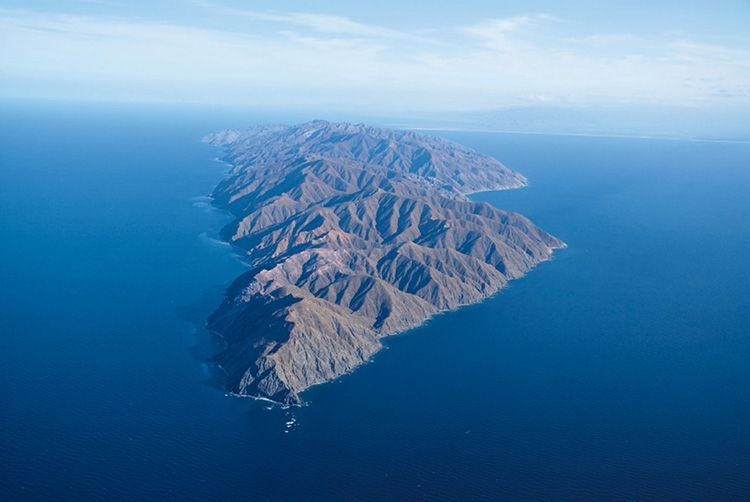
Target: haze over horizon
537, 209
420, 57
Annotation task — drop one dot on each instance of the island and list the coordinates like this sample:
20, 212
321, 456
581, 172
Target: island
353, 233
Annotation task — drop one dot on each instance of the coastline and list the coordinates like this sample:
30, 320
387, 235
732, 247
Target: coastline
423, 322
476, 284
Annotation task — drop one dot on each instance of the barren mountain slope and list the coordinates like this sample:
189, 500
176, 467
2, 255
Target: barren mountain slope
354, 233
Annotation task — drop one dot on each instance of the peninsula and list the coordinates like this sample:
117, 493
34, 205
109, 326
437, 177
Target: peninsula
353, 233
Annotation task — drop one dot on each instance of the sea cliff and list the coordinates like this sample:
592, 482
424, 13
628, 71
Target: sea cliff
353, 233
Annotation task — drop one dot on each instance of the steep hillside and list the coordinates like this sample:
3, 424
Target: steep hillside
354, 233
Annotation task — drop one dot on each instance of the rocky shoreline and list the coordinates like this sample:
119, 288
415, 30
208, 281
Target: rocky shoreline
353, 233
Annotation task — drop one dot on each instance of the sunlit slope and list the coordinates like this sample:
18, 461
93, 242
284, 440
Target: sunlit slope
354, 233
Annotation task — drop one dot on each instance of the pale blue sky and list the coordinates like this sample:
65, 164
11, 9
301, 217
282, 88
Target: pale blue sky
384, 56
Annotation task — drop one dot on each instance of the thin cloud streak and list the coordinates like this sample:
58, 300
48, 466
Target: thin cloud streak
315, 59
321, 23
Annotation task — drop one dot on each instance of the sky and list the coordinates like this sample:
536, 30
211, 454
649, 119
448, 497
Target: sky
380, 56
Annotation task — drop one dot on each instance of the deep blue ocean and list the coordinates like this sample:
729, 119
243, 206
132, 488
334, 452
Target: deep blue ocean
620, 370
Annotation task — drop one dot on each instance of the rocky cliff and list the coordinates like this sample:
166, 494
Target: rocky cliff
354, 233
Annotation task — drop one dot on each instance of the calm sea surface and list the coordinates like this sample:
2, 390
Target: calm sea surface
619, 371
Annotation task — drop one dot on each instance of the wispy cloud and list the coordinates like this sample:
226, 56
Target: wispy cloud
307, 58
321, 23
325, 24
507, 34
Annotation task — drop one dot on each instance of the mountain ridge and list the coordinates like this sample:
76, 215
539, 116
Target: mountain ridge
353, 233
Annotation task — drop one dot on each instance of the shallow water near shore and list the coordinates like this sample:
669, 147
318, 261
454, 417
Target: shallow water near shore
616, 371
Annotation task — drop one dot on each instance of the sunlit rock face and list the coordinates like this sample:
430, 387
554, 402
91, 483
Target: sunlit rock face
354, 233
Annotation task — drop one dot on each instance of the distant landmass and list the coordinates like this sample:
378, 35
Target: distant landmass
354, 233
657, 121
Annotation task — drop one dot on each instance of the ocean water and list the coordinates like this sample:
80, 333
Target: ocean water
620, 370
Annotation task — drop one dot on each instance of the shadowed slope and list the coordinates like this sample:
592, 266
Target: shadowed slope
355, 233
